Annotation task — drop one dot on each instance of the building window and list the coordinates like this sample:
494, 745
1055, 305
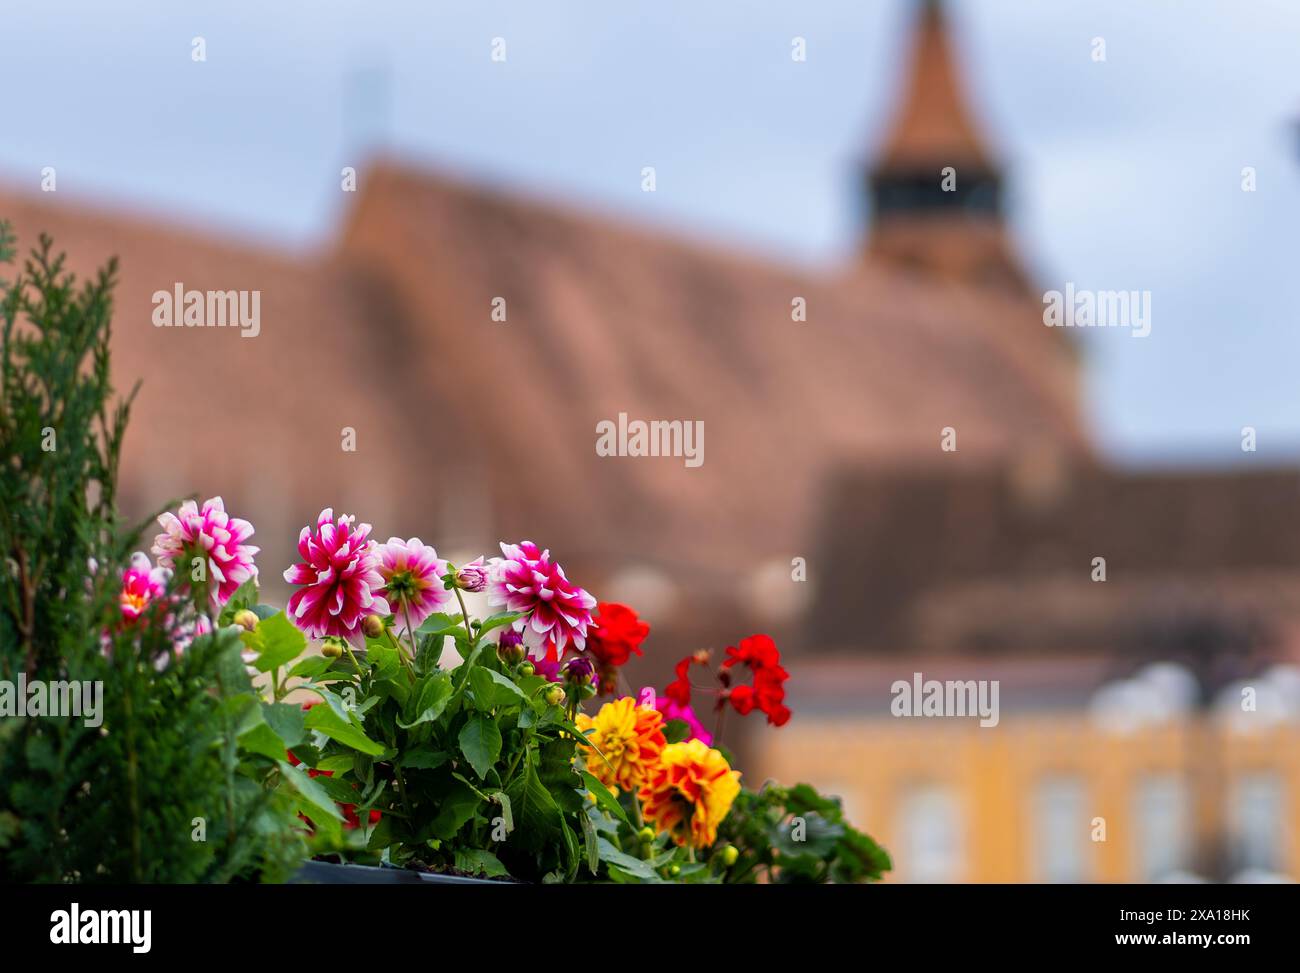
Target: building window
931, 832
1161, 826
1060, 825
1255, 823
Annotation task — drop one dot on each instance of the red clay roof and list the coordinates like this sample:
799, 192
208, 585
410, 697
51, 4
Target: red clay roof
473, 430
604, 319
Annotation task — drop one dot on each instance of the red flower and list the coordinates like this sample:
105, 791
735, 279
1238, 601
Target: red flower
679, 690
757, 652
765, 692
742, 698
351, 820
618, 633
760, 655
615, 634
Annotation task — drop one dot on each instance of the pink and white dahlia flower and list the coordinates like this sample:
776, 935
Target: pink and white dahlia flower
141, 584
412, 573
557, 612
339, 578
211, 533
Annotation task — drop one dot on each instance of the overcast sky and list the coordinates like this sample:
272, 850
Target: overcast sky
1124, 174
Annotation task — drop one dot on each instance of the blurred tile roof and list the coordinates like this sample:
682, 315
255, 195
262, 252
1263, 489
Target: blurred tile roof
469, 429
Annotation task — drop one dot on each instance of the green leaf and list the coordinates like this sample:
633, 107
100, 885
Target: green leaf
589, 839
818, 837
605, 798
496, 621
434, 694
570, 848
326, 721
429, 652
493, 690
424, 759
310, 667
440, 624
338, 763
675, 731
632, 866
338, 789
287, 720
536, 814
381, 836
859, 857
802, 798
585, 740
478, 861
311, 792
480, 742
456, 807
385, 660
261, 739
276, 640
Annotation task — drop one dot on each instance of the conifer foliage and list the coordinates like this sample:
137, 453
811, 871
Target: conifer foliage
154, 787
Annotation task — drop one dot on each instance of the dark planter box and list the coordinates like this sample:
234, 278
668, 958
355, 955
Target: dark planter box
325, 873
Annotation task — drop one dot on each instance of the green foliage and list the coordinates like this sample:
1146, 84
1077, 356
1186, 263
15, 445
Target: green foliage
795, 835
161, 791
471, 769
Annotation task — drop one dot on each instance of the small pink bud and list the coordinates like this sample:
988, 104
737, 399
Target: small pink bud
473, 576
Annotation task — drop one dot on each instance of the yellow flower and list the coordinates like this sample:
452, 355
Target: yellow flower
690, 792
630, 736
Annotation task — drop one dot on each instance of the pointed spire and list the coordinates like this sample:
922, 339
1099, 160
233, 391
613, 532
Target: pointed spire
936, 192
934, 122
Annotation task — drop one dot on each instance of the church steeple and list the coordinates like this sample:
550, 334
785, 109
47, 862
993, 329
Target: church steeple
936, 192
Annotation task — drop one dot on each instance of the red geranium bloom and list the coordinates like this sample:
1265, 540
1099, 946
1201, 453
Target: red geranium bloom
679, 690
615, 634
618, 633
742, 698
760, 655
757, 652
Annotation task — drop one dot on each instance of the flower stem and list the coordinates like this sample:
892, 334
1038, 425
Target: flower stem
396, 643
464, 614
410, 632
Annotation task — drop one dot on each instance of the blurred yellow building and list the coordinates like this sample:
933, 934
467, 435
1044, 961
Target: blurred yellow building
1074, 795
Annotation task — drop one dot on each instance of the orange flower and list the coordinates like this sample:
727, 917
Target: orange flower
630, 736
690, 792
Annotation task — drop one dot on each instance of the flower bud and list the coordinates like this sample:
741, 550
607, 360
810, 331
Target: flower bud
473, 576
555, 695
245, 619
372, 626
730, 854
510, 650
646, 835
333, 647
701, 657
578, 670
674, 870
527, 669
510, 638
